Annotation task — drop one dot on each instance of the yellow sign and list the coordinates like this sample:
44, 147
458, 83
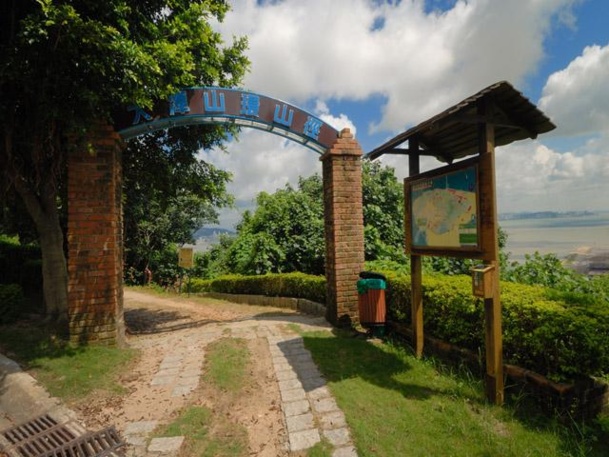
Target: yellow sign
482, 281
186, 258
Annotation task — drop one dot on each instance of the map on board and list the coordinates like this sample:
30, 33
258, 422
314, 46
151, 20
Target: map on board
444, 210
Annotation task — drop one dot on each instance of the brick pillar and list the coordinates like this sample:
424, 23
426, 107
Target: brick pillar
344, 227
95, 244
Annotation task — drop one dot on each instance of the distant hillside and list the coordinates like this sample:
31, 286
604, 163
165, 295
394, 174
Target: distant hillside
206, 237
543, 215
211, 232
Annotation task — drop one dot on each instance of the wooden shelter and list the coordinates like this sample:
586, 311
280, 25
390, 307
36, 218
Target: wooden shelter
495, 116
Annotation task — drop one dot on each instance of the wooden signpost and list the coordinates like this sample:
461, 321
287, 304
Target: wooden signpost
452, 211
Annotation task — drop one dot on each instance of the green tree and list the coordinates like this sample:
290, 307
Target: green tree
383, 199
66, 65
286, 231
169, 194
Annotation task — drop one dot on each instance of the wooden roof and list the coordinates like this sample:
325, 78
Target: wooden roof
453, 134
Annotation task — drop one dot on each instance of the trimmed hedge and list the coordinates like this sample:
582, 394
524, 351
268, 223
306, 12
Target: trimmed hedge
297, 285
559, 340
555, 338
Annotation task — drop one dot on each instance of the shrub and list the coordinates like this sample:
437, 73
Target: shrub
297, 285
559, 339
11, 302
542, 331
198, 285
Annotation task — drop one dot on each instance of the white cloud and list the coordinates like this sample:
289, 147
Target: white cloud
260, 162
338, 122
263, 162
576, 98
533, 177
420, 61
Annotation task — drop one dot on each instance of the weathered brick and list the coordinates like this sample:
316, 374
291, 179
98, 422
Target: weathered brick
95, 239
342, 174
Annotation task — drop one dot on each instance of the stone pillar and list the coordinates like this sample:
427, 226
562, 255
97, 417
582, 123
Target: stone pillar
95, 244
344, 227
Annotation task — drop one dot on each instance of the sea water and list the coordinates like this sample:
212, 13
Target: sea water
563, 235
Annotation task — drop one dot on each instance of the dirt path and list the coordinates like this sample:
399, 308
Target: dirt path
171, 335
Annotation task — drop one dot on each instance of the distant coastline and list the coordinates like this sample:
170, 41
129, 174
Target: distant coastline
543, 215
578, 238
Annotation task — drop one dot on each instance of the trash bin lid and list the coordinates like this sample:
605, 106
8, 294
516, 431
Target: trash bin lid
372, 275
364, 285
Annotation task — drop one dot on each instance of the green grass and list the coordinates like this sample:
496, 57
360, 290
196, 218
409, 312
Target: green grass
397, 405
206, 435
321, 449
227, 360
66, 371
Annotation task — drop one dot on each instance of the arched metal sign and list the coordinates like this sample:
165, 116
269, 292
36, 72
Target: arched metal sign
219, 105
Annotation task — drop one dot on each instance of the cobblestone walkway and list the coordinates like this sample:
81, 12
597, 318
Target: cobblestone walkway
309, 410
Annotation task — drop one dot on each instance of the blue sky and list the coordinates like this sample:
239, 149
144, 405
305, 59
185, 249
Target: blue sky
380, 67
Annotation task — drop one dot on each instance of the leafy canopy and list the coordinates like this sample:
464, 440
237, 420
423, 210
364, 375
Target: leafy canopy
286, 231
67, 65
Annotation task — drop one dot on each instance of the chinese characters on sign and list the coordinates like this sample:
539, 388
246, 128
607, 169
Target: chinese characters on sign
223, 105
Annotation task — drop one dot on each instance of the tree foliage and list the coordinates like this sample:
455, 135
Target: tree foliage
65, 65
383, 200
169, 193
286, 231
284, 234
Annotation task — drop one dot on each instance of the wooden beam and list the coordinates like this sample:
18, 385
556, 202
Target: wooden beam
492, 305
416, 268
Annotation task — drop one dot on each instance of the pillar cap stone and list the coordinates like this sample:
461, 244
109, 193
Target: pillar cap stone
346, 133
345, 145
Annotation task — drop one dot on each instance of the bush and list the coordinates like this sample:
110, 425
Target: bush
298, 285
542, 330
11, 302
20, 264
198, 286
558, 339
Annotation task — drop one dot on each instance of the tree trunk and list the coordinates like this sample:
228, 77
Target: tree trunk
54, 269
44, 212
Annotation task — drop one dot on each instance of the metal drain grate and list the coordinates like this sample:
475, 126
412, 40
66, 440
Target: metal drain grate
44, 437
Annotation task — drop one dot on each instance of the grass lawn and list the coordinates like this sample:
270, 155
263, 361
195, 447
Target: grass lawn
397, 405
67, 371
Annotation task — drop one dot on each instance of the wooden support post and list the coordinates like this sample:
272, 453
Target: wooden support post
416, 276
492, 306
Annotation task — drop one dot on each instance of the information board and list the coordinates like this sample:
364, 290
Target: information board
442, 210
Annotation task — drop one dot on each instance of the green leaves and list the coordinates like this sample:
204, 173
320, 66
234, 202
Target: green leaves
101, 55
285, 233
383, 199
169, 193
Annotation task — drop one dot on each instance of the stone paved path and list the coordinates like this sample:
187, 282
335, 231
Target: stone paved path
309, 409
